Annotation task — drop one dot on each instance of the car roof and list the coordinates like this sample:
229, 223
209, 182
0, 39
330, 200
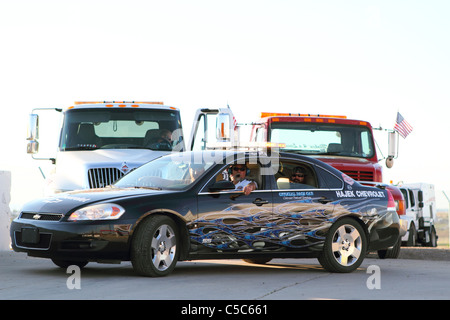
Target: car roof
239, 154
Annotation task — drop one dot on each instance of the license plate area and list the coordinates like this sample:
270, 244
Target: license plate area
30, 235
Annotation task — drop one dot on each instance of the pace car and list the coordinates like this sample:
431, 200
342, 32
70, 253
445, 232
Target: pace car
187, 206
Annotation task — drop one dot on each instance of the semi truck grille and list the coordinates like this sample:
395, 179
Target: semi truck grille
360, 175
102, 177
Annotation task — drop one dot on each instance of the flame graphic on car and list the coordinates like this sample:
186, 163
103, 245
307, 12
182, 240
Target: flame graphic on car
295, 224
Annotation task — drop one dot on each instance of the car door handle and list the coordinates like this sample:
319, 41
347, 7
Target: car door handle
260, 202
325, 200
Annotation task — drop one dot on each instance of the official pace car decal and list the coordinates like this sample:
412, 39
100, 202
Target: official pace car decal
61, 197
294, 224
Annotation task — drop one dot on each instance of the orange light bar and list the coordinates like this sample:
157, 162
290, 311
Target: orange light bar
134, 102
276, 114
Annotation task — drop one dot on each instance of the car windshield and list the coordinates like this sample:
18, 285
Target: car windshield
109, 128
329, 139
172, 172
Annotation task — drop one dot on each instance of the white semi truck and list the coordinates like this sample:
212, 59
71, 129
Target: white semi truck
420, 214
99, 142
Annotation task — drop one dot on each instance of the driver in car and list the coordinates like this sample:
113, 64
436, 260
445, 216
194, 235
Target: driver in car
238, 175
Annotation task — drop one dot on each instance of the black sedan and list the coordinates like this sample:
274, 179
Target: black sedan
208, 205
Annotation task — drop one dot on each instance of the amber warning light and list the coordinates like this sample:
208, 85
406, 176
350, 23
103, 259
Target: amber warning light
277, 114
134, 102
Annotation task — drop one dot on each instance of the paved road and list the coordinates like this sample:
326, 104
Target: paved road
22, 277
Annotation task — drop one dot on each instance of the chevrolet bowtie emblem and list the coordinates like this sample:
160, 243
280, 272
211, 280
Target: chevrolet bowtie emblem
36, 216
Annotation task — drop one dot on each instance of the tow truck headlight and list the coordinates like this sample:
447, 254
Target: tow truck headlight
105, 211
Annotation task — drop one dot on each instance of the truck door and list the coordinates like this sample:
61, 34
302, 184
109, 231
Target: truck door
212, 128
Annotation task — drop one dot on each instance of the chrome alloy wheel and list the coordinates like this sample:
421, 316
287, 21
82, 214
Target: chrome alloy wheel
163, 247
346, 245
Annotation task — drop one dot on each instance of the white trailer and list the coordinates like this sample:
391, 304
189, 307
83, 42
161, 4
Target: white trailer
420, 214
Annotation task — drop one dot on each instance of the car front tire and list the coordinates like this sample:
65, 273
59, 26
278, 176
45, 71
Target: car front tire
154, 251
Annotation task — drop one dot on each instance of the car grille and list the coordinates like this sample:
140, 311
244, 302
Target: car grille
360, 175
41, 216
102, 177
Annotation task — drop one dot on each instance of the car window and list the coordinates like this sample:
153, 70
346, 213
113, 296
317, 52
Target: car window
328, 179
253, 172
296, 175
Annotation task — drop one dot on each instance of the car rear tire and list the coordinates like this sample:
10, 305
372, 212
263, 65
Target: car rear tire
391, 253
154, 250
345, 246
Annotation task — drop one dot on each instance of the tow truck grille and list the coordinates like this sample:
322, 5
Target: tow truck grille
102, 177
360, 175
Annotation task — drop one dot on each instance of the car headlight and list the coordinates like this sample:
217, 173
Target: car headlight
105, 211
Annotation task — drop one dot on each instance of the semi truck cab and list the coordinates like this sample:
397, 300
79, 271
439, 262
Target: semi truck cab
99, 142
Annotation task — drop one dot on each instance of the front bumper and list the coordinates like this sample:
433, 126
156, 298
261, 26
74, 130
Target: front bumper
385, 232
74, 241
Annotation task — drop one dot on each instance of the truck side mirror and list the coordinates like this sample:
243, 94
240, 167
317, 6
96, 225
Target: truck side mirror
223, 127
33, 147
420, 198
392, 149
33, 134
33, 127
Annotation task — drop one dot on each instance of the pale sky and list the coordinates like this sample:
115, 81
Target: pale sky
363, 59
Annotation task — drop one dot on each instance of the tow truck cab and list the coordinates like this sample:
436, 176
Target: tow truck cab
99, 142
347, 145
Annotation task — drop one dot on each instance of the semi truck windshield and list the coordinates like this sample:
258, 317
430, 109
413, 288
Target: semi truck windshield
88, 129
320, 139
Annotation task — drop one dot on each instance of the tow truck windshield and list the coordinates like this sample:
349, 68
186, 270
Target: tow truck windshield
89, 129
323, 139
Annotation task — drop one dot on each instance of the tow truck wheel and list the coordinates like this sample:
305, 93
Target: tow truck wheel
154, 250
345, 246
412, 236
432, 237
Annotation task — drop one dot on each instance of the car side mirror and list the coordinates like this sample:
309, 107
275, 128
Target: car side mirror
222, 185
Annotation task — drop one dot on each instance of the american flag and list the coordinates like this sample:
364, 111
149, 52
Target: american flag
402, 126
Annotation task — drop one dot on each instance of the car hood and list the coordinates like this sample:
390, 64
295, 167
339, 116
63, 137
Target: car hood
68, 201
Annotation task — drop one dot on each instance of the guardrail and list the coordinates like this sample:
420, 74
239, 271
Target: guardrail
5, 212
